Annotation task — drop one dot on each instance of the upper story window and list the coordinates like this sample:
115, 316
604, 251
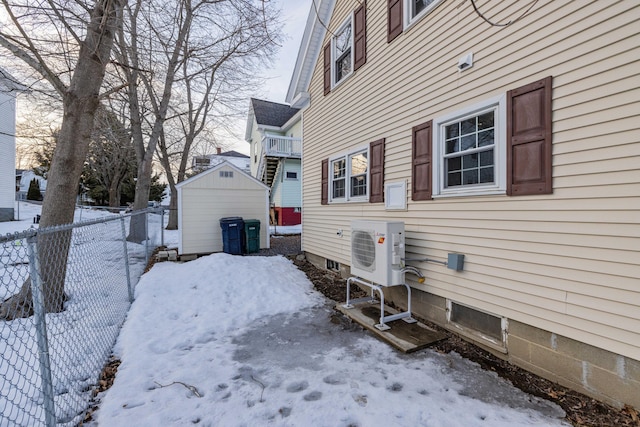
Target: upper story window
403, 13
348, 175
346, 50
470, 150
415, 9
226, 174
342, 53
291, 175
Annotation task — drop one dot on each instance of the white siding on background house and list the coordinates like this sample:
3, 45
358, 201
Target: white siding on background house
286, 192
566, 262
7, 155
206, 198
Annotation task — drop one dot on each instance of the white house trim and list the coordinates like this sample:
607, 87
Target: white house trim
309, 52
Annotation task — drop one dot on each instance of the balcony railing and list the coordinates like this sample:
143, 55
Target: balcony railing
282, 146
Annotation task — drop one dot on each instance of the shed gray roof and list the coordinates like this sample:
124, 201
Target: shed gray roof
271, 113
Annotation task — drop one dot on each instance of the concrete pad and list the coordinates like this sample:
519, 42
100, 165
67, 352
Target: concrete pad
406, 337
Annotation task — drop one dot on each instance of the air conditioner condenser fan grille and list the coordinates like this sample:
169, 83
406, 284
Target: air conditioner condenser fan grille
364, 250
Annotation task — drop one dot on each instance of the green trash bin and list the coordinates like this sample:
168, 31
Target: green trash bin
252, 234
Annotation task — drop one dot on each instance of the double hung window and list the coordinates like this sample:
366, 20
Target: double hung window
342, 52
470, 151
348, 176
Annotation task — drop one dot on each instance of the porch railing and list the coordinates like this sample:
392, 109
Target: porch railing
282, 146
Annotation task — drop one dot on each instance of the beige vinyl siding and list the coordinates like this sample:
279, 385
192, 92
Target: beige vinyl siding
204, 201
568, 262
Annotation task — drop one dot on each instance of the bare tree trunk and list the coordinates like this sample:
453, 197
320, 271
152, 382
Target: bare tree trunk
81, 100
173, 209
114, 193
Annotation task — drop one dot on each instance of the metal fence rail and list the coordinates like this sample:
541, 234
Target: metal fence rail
51, 360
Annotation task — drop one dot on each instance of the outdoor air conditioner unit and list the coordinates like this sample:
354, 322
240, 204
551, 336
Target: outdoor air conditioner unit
377, 251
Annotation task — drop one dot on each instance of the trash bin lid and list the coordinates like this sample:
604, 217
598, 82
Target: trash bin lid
231, 218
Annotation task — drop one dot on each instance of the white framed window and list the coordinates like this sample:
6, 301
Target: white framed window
226, 174
469, 150
342, 53
291, 175
349, 177
416, 9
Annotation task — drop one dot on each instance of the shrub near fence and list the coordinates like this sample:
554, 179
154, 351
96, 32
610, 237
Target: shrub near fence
51, 362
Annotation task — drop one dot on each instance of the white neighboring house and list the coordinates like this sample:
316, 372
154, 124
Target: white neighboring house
274, 132
9, 89
25, 180
202, 163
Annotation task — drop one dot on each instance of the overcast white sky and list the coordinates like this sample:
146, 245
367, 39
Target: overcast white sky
294, 17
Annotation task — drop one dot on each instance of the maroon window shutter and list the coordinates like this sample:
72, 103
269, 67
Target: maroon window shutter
327, 68
421, 162
529, 139
394, 19
376, 168
325, 182
360, 36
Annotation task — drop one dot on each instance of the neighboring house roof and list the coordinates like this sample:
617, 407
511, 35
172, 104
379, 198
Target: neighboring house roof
269, 113
232, 153
310, 48
240, 160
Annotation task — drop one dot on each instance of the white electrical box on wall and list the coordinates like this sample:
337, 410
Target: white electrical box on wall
395, 195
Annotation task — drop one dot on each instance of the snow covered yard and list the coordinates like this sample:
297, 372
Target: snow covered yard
244, 341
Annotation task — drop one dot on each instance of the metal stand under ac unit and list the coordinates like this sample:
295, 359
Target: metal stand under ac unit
405, 315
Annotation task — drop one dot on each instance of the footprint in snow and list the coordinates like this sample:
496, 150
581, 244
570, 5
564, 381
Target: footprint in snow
360, 399
334, 379
313, 396
297, 386
395, 387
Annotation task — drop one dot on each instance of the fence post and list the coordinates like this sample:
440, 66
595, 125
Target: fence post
146, 240
126, 258
162, 226
41, 332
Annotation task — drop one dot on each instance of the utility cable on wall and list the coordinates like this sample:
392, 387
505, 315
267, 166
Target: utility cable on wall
315, 7
475, 8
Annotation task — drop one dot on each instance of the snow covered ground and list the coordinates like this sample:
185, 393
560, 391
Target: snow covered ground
246, 341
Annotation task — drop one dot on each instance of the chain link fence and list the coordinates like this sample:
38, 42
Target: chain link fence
66, 292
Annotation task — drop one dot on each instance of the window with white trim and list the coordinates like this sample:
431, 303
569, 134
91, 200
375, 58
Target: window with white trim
342, 53
348, 177
291, 175
470, 150
416, 9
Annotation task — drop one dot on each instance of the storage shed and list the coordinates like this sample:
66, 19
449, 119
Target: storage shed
222, 191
